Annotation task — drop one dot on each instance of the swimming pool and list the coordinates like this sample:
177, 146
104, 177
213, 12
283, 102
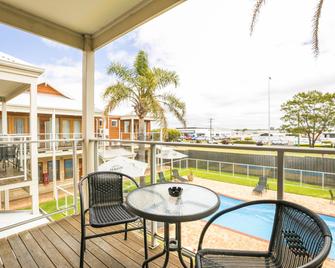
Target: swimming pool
257, 220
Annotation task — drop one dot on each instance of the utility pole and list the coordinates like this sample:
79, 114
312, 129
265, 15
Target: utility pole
211, 128
269, 110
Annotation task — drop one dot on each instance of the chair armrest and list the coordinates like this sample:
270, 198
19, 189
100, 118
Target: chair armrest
225, 211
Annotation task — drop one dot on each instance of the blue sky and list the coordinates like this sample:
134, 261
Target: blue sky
223, 71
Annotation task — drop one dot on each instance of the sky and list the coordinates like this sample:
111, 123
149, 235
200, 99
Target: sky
223, 70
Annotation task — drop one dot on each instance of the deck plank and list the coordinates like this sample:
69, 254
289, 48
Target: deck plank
7, 255
68, 253
57, 244
21, 252
57, 259
91, 260
123, 256
135, 242
35, 250
90, 246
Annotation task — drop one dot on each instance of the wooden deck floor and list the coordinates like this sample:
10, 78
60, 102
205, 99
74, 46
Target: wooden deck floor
57, 245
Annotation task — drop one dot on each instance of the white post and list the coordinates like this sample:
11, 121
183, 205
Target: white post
132, 134
54, 166
154, 242
25, 159
4, 118
33, 148
88, 105
6, 199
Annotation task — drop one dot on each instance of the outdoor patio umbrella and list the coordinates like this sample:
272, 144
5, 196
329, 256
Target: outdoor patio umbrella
167, 153
112, 153
130, 167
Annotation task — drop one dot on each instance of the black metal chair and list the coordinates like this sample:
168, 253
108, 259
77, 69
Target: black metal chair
161, 177
332, 196
300, 238
261, 185
175, 175
106, 207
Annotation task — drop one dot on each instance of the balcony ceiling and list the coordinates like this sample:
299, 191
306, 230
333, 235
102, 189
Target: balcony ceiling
68, 21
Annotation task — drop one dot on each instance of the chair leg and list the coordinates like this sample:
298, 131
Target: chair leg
145, 240
126, 231
82, 247
82, 251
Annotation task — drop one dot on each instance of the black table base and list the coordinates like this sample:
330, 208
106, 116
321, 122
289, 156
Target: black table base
171, 244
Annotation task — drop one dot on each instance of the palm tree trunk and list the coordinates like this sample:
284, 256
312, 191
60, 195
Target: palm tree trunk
141, 147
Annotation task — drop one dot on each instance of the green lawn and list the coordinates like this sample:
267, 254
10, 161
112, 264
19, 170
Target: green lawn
290, 186
50, 207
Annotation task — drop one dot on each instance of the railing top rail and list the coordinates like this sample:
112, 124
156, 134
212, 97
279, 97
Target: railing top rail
224, 146
38, 141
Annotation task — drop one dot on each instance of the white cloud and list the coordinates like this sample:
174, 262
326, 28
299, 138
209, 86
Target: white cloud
224, 71
53, 44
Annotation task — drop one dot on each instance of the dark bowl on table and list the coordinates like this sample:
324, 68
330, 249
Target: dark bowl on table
175, 191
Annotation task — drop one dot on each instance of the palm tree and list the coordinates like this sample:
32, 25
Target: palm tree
315, 23
142, 87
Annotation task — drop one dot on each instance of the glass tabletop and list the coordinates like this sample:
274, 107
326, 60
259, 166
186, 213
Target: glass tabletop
154, 202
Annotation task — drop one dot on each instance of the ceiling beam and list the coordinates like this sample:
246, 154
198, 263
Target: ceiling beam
17, 91
132, 19
36, 25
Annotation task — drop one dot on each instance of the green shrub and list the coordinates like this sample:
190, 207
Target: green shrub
248, 139
244, 142
327, 142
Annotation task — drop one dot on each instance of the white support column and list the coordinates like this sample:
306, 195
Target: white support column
88, 105
54, 163
4, 118
33, 148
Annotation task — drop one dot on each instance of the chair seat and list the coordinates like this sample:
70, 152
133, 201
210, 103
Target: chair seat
209, 260
106, 215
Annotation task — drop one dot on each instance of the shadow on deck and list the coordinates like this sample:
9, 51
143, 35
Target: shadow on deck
57, 244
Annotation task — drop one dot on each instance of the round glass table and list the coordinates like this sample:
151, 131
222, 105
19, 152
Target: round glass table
155, 203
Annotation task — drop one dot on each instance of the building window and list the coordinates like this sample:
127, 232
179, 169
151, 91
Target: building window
126, 126
18, 125
68, 168
66, 128
114, 123
77, 128
50, 171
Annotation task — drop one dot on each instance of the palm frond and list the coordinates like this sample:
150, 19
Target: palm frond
122, 72
116, 94
158, 112
316, 23
175, 106
257, 8
141, 63
165, 78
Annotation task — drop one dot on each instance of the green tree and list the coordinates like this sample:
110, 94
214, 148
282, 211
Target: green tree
315, 20
309, 113
143, 88
169, 134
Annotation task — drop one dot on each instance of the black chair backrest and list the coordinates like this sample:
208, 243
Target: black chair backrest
104, 188
263, 180
298, 236
175, 173
161, 177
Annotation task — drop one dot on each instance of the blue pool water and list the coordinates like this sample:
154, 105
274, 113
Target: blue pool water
257, 220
